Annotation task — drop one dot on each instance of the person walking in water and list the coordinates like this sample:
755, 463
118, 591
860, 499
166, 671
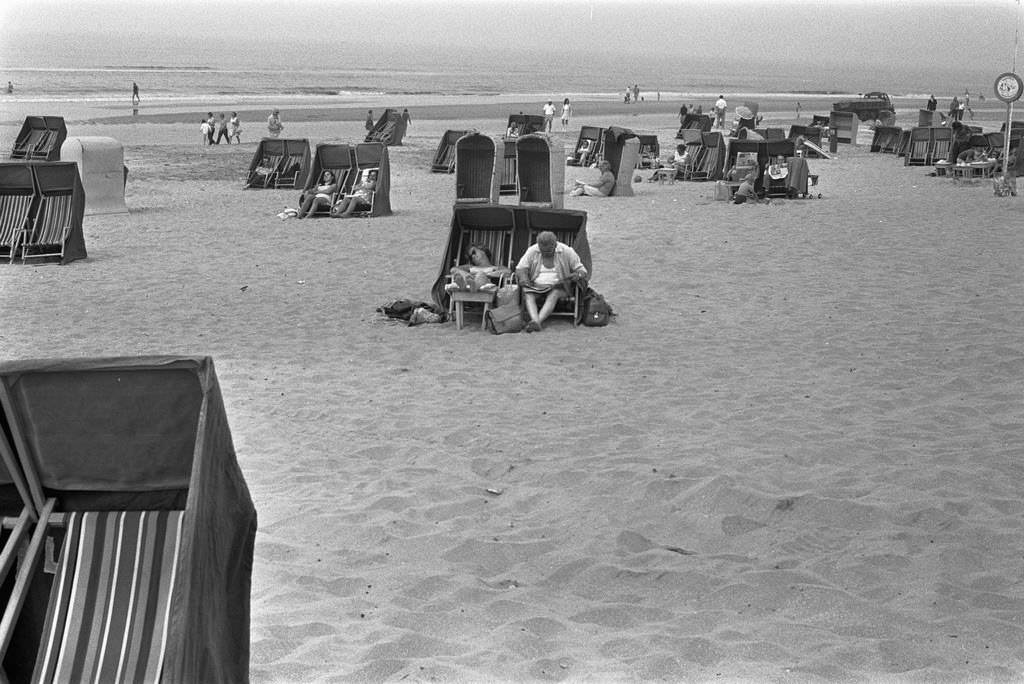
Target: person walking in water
369, 120
135, 93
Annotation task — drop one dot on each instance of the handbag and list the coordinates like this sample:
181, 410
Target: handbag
507, 318
596, 310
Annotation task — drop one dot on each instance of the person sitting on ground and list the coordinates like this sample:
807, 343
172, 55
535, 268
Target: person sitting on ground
604, 185
323, 195
746, 189
361, 197
548, 270
477, 273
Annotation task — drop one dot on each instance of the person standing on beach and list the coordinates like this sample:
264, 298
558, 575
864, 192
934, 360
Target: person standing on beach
566, 113
636, 93
932, 103
406, 118
222, 130
211, 127
274, 125
204, 132
549, 115
135, 93
10, 87
720, 106
683, 111
369, 120
235, 129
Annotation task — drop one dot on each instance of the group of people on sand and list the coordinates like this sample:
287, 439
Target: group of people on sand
548, 272
212, 130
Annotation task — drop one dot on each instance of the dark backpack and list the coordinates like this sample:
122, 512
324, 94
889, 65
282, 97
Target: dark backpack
596, 309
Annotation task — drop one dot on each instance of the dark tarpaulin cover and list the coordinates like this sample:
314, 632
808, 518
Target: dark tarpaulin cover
146, 425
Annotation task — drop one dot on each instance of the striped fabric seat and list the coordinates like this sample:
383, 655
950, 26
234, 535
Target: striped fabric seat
53, 222
13, 217
288, 172
110, 600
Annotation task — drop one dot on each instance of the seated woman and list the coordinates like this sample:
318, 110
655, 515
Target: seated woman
477, 274
323, 195
547, 270
746, 190
361, 197
604, 185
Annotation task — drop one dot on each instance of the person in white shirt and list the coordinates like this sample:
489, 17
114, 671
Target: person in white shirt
720, 107
549, 115
566, 113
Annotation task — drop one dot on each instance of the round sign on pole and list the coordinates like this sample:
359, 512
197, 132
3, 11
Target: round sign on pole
1009, 87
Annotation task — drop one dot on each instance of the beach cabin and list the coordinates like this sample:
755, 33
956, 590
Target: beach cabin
139, 561
101, 167
541, 173
476, 169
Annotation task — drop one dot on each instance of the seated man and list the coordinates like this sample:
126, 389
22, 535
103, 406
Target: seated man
604, 185
548, 269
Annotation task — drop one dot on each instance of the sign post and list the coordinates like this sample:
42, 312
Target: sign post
1009, 89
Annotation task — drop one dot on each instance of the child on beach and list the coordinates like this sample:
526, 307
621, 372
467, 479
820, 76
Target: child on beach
274, 125
235, 129
204, 131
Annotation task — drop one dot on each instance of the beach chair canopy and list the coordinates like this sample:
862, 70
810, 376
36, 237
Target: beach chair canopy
522, 222
138, 434
40, 138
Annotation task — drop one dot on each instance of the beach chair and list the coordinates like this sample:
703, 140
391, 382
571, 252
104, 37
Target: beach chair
903, 142
941, 144
843, 126
55, 230
778, 177
40, 138
712, 159
570, 229
266, 163
650, 152
509, 178
693, 142
699, 122
540, 171
139, 566
373, 157
17, 194
523, 124
490, 226
476, 172
588, 146
388, 130
919, 146
294, 165
339, 159
444, 157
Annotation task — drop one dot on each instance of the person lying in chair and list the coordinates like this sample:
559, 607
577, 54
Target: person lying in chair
477, 274
360, 199
549, 270
604, 185
324, 195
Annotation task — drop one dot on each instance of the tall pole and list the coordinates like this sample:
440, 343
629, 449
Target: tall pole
1009, 105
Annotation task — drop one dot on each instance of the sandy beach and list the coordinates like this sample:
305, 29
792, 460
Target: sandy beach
794, 455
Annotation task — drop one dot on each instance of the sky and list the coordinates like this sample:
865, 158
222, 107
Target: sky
880, 34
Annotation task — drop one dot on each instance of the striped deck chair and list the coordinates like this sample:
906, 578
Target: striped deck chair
918, 147
110, 600
288, 170
14, 211
509, 170
942, 141
47, 235
23, 148
41, 150
265, 173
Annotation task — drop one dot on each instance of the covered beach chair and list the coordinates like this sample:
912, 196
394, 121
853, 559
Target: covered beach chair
588, 146
541, 173
55, 230
337, 158
693, 144
712, 159
650, 151
941, 144
811, 134
101, 166
621, 149
389, 129
523, 124
780, 174
40, 138
490, 226
919, 147
372, 157
843, 126
17, 197
476, 170
699, 122
294, 166
444, 157
569, 227
139, 567
266, 163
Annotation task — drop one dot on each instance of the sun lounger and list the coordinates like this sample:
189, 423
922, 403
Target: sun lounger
130, 470
476, 173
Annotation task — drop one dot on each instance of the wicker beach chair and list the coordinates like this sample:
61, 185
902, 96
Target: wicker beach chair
540, 171
476, 173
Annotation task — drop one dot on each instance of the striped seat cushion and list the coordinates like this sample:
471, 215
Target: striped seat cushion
110, 601
53, 221
13, 215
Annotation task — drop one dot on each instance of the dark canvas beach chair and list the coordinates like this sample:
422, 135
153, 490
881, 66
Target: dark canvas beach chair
372, 157
569, 228
746, 154
621, 149
389, 128
139, 566
523, 124
811, 134
712, 158
650, 151
40, 138
919, 147
588, 146
340, 160
903, 142
444, 158
820, 121
476, 171
541, 172
17, 195
779, 172
693, 143
883, 138
490, 226
266, 163
941, 143
294, 166
699, 122
55, 229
